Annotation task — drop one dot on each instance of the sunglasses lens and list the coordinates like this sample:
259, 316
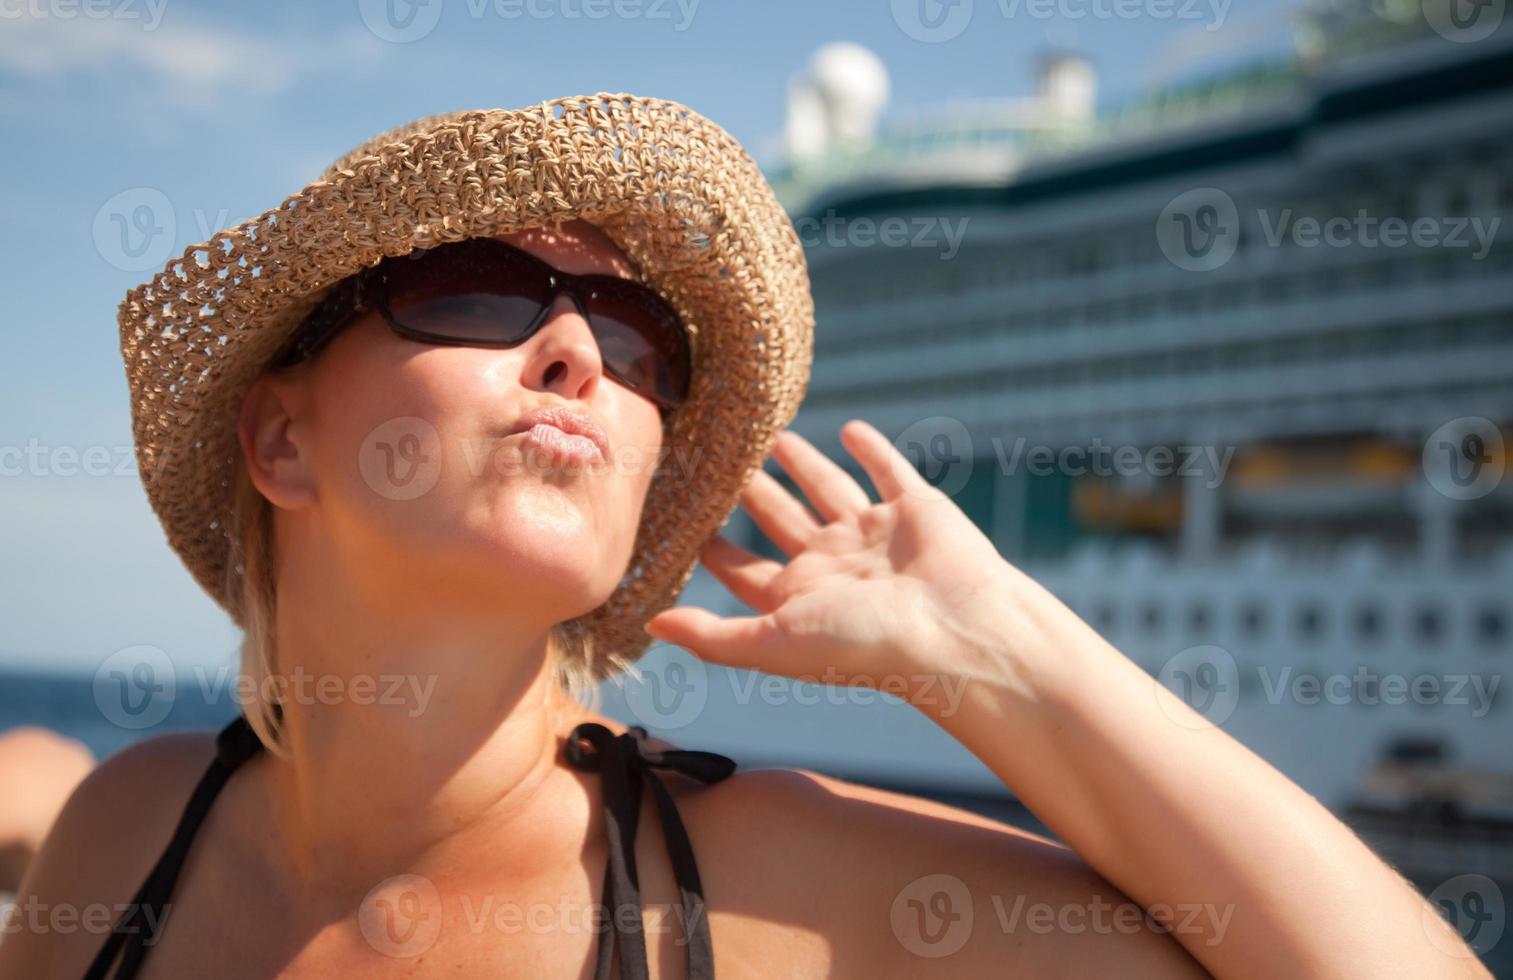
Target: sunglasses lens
644, 346
466, 296
488, 293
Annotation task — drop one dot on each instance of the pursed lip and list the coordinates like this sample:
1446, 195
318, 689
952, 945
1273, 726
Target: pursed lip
569, 421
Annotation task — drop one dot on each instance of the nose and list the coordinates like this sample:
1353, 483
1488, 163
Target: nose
563, 355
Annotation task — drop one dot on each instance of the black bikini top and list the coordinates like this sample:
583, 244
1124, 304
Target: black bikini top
625, 763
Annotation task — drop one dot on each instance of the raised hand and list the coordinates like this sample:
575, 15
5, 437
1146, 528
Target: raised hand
873, 593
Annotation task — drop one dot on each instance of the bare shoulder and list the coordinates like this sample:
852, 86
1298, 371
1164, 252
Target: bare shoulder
853, 879
105, 841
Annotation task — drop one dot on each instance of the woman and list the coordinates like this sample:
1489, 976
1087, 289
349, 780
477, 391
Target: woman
620, 265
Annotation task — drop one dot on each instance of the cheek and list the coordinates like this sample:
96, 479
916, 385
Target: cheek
380, 417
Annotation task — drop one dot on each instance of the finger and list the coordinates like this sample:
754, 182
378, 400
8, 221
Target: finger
785, 519
746, 575
732, 641
889, 470
830, 489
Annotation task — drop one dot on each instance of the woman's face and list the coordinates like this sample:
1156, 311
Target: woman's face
423, 488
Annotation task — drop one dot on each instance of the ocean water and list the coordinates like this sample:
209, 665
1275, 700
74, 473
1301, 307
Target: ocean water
97, 714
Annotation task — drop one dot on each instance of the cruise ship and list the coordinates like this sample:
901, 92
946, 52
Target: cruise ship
1228, 368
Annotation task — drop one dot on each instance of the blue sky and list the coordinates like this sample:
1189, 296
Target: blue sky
224, 111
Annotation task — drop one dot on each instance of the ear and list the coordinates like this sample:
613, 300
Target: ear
272, 431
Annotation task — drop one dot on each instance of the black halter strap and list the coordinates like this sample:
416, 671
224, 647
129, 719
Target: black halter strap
235, 744
625, 762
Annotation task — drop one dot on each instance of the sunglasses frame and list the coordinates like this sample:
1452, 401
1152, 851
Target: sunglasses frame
368, 289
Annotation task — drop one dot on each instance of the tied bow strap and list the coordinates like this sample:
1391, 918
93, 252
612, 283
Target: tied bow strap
625, 763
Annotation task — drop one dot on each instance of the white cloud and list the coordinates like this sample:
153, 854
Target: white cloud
191, 65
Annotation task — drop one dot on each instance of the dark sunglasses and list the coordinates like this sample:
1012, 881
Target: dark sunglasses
481, 292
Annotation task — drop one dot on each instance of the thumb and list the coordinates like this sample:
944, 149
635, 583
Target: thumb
733, 641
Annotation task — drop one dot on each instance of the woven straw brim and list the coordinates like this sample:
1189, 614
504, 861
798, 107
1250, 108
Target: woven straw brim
673, 190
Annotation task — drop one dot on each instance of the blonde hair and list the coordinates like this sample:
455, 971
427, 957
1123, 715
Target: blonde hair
253, 598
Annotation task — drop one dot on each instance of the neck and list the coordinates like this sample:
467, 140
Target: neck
415, 736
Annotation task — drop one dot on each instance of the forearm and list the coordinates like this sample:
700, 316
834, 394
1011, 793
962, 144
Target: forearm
1177, 813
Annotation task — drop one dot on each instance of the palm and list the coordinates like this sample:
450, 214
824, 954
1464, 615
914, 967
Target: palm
859, 591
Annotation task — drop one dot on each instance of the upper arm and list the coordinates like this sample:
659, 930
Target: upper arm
102, 845
909, 887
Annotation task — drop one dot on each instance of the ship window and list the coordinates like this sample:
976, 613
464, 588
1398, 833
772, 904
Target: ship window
1491, 625
1428, 624
1368, 621
1310, 621
1253, 618
1198, 617
1150, 617
1107, 617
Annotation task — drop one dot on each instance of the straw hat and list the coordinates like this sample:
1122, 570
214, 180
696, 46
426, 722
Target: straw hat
673, 190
